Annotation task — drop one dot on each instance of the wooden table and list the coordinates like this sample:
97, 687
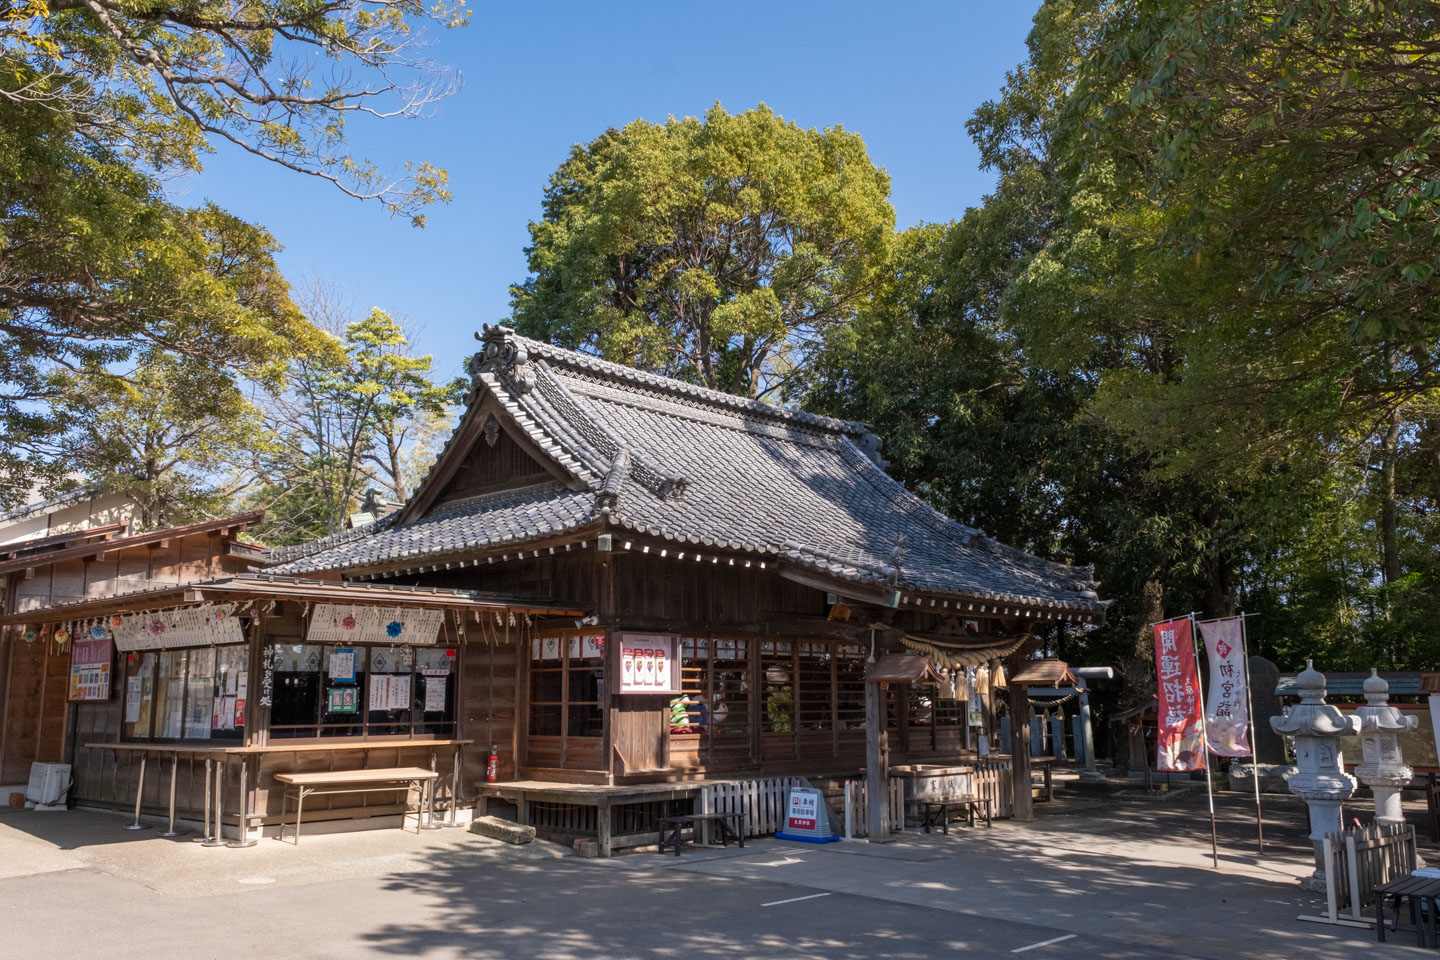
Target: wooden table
213, 755
1046, 765
372, 780
1424, 896
731, 826
600, 796
220, 756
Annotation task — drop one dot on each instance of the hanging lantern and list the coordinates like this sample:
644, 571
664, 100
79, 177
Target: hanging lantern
349, 622
394, 628
97, 632
62, 636
117, 621
156, 627
30, 636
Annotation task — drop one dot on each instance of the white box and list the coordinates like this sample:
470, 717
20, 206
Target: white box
49, 783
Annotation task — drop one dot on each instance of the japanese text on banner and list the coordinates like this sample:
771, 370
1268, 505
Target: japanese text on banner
1227, 710
1180, 725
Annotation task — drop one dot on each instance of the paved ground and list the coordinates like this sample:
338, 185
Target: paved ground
1117, 880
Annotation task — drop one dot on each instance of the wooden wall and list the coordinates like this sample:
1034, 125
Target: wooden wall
34, 722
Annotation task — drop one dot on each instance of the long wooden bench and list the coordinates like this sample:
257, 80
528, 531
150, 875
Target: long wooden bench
373, 780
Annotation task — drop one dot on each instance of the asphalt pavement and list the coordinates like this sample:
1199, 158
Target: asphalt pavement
1089, 879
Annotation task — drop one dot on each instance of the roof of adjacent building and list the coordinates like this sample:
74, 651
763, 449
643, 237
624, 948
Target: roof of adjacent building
663, 460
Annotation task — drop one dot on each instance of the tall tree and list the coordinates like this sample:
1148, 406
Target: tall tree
173, 436
358, 417
723, 251
100, 100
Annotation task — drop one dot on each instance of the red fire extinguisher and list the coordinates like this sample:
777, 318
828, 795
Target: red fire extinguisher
492, 766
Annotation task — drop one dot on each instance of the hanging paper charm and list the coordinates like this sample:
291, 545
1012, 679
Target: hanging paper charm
62, 636
117, 621
97, 632
349, 622
393, 628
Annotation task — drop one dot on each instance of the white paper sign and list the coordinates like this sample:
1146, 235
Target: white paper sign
379, 691
648, 663
132, 699
347, 624
202, 626
400, 692
435, 694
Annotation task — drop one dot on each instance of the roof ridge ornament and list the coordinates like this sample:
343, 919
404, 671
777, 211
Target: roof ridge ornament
504, 355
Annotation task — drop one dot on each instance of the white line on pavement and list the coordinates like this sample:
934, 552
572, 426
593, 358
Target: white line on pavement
776, 903
1046, 943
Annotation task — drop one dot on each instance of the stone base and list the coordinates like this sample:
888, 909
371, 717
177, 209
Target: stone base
1274, 777
497, 829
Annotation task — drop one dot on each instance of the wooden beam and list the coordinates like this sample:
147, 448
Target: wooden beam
877, 765
881, 596
1020, 740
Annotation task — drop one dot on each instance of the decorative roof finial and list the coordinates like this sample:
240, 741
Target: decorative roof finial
503, 355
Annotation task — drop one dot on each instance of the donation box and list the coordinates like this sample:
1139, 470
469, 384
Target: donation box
806, 817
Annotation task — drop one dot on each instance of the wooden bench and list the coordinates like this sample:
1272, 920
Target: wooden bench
936, 810
730, 828
374, 780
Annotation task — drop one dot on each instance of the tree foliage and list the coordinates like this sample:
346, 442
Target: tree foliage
361, 416
177, 437
100, 101
723, 251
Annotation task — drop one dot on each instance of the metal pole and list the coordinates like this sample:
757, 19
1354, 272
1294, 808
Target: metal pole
1254, 758
208, 836
430, 823
174, 767
1205, 746
139, 791
244, 839
454, 790
219, 839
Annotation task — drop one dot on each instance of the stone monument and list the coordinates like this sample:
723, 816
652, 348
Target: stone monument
1264, 702
1321, 782
1382, 765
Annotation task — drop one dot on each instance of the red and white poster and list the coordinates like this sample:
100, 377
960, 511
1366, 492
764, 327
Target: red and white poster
1180, 733
648, 663
1227, 702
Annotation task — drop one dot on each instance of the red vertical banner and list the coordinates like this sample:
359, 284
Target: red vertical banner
1180, 731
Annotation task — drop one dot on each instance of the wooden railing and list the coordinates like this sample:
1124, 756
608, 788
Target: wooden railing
995, 781
1362, 858
761, 801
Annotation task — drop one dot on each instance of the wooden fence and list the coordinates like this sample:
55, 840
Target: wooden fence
995, 781
761, 802
855, 799
1362, 858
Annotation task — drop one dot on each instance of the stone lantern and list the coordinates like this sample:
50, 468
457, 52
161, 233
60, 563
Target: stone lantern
1382, 766
1321, 781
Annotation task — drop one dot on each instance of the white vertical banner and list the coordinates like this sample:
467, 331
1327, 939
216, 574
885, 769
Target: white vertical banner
1227, 708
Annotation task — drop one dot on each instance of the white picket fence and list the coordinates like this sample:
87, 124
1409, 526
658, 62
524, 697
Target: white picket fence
857, 817
761, 802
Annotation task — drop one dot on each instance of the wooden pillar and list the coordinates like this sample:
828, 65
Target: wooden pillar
877, 765
1020, 744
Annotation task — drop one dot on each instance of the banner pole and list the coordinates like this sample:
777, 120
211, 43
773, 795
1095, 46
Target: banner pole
1204, 744
1254, 757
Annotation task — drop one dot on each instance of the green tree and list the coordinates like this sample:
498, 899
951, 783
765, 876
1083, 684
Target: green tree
362, 416
723, 251
157, 82
172, 436
99, 102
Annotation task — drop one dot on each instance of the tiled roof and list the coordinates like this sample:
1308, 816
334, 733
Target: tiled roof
672, 461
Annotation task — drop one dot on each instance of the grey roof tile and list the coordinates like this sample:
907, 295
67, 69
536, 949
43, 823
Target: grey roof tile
671, 460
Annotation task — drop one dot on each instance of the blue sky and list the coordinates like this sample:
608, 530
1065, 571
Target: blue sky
541, 76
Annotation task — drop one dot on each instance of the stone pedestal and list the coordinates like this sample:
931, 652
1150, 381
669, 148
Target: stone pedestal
1321, 781
1382, 765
